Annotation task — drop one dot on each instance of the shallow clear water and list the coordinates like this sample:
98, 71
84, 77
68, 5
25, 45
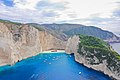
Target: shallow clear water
116, 47
50, 67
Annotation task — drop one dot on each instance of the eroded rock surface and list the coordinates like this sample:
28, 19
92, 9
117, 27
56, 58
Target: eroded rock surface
18, 42
95, 58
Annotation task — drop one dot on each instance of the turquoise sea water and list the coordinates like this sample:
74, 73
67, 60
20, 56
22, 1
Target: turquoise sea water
54, 66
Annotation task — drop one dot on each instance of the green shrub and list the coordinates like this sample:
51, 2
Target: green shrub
96, 47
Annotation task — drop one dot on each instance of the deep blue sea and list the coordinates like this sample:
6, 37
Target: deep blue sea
55, 66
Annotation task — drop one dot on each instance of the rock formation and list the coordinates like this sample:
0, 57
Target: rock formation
18, 42
72, 44
98, 59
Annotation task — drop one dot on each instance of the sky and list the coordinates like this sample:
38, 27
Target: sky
100, 13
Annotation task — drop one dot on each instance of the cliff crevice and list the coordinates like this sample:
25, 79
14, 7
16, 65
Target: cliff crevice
22, 41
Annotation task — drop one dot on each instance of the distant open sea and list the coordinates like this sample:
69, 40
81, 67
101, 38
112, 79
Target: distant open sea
116, 47
55, 66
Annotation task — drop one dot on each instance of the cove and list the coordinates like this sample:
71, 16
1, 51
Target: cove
51, 66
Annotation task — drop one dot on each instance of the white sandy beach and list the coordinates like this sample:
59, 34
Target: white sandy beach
53, 51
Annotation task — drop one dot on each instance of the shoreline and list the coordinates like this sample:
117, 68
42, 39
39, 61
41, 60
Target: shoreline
62, 51
112, 76
42, 52
49, 52
53, 51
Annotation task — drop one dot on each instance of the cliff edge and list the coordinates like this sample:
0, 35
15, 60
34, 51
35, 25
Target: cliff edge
96, 54
20, 41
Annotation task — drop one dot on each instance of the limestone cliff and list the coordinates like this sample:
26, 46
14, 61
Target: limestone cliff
95, 54
21, 41
72, 44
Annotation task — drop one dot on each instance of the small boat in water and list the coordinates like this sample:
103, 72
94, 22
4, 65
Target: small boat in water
79, 73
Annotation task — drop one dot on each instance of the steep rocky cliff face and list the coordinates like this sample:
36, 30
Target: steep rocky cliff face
96, 54
72, 44
21, 41
103, 66
49, 42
